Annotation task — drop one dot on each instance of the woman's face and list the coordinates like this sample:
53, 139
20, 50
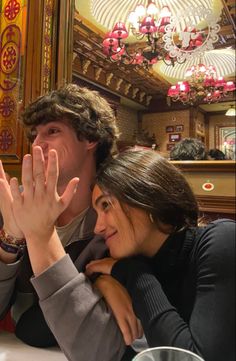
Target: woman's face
126, 233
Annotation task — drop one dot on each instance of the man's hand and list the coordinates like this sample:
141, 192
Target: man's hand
6, 209
39, 205
120, 302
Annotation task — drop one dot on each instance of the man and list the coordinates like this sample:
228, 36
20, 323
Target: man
80, 126
189, 149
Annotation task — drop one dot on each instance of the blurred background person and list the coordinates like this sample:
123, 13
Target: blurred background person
189, 149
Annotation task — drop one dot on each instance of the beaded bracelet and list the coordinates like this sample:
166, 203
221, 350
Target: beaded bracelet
9, 248
11, 240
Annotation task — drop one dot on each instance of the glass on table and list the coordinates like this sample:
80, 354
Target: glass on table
167, 354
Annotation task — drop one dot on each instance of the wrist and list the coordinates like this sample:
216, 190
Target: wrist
7, 257
9, 239
10, 245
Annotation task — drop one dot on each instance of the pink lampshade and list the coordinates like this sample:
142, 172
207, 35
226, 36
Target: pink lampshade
229, 86
220, 82
217, 94
138, 59
173, 91
148, 25
184, 86
164, 19
153, 61
209, 81
118, 54
110, 41
120, 31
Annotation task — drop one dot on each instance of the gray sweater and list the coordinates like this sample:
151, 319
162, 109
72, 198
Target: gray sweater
79, 318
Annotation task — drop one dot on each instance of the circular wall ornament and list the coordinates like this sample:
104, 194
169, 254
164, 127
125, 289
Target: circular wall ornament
208, 186
190, 33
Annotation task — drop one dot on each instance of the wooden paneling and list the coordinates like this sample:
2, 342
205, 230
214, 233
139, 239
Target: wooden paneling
220, 198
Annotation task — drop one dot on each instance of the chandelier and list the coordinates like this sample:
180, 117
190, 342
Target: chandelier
149, 28
201, 86
160, 35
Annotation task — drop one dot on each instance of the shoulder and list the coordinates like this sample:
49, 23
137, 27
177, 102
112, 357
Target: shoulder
222, 230
219, 230
215, 244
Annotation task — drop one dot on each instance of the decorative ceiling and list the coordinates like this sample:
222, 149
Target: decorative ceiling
222, 59
105, 13
93, 18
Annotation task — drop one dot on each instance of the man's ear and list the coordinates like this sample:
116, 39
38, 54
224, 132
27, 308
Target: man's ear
91, 145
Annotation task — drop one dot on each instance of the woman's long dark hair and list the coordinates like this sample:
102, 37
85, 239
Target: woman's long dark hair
145, 180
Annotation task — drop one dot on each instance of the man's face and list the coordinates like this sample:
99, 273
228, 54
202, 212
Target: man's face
72, 153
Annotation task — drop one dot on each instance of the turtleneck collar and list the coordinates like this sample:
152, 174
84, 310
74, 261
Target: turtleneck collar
175, 250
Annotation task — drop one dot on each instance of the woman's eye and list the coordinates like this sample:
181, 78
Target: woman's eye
105, 205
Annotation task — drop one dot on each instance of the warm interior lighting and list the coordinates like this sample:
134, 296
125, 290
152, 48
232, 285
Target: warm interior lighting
231, 111
201, 85
148, 25
162, 33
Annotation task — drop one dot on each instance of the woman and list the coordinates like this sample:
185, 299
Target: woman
180, 276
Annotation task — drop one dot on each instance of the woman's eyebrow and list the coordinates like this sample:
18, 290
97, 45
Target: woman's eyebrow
98, 199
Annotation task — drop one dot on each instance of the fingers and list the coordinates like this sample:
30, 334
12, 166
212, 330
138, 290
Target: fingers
69, 192
27, 176
100, 265
129, 326
52, 171
136, 330
2, 173
15, 191
38, 169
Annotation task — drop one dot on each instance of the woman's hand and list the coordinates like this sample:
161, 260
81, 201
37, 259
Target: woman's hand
117, 298
120, 302
101, 266
39, 205
6, 209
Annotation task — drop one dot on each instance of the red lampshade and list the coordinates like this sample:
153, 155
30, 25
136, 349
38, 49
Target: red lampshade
110, 41
148, 25
120, 31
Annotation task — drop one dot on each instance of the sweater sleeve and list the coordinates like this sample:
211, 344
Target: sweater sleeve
8, 274
77, 315
210, 331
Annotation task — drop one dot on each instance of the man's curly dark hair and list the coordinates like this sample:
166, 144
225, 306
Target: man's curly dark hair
89, 114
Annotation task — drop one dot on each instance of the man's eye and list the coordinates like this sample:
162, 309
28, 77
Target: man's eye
53, 131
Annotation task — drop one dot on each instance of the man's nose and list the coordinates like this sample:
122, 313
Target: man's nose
39, 141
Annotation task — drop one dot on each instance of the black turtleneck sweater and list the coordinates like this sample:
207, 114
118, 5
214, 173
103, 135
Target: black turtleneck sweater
185, 295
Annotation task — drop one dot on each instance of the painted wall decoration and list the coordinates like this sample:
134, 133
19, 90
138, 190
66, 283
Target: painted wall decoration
47, 45
225, 140
12, 42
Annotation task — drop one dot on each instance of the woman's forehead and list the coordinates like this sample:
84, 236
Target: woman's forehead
98, 193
